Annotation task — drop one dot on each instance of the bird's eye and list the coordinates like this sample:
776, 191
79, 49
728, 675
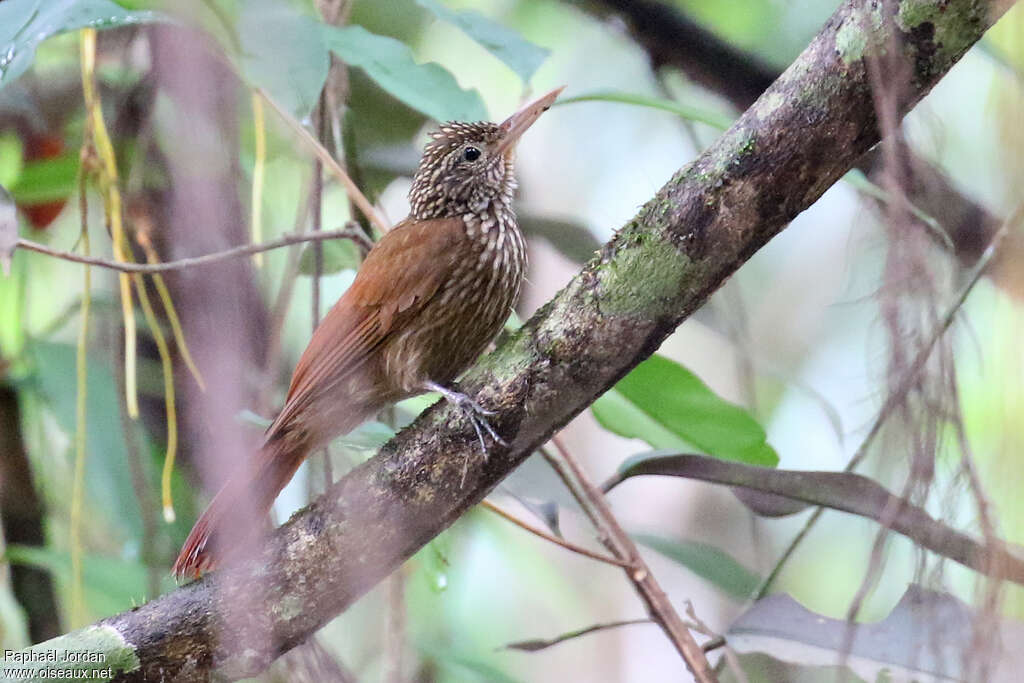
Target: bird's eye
471, 154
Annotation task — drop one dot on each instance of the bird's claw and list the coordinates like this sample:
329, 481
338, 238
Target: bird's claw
474, 412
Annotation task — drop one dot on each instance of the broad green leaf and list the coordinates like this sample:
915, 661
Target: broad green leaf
711, 118
47, 180
337, 255
618, 414
707, 562
111, 584
24, 24
283, 52
108, 482
668, 406
518, 54
428, 88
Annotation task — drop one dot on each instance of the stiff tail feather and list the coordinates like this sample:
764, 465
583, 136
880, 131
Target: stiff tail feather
239, 508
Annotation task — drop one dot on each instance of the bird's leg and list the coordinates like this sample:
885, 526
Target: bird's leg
474, 412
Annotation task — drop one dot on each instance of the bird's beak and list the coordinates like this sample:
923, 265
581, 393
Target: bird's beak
514, 126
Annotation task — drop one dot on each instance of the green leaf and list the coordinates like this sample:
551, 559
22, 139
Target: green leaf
283, 52
520, 55
706, 561
707, 116
111, 584
108, 481
428, 88
47, 180
618, 414
24, 24
668, 406
337, 255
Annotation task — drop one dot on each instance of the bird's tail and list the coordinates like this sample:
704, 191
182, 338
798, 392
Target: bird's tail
240, 507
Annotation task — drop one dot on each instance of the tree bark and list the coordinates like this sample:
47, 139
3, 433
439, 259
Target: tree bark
800, 137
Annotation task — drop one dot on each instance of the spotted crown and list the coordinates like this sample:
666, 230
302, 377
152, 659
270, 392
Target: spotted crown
461, 174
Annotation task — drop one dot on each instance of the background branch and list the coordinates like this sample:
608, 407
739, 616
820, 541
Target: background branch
206, 259
671, 38
621, 545
662, 265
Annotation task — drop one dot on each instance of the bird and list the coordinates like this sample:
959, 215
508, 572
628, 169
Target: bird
429, 297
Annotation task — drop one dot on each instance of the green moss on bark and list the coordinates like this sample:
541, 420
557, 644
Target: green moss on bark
97, 653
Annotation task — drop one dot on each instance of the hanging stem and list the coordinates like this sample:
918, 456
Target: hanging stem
107, 178
169, 399
78, 616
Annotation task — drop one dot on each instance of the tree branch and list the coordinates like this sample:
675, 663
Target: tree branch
615, 538
671, 38
579, 550
801, 136
235, 252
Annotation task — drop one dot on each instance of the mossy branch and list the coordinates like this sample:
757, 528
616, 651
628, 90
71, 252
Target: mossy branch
800, 137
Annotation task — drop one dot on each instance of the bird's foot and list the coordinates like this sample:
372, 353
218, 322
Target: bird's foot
474, 412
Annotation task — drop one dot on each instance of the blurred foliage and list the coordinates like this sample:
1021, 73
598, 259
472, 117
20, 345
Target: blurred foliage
707, 562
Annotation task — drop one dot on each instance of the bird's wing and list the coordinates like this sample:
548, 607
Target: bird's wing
401, 273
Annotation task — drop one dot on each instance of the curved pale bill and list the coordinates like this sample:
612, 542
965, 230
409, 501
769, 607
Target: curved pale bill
515, 125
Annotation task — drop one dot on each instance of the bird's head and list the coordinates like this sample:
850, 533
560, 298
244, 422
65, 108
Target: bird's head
468, 166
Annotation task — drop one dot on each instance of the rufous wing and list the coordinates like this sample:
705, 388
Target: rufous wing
401, 273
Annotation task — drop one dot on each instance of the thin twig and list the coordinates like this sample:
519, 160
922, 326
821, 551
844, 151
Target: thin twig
234, 252
614, 537
580, 550
317, 202
904, 386
731, 659
542, 644
350, 187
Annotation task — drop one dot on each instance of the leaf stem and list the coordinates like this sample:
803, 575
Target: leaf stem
580, 550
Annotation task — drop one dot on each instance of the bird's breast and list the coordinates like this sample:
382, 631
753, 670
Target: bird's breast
470, 307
